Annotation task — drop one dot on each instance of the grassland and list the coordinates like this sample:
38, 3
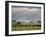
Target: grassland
21, 26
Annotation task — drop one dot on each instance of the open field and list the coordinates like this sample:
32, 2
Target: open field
21, 26
26, 28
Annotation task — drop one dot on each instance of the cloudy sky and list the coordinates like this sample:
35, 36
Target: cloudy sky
26, 13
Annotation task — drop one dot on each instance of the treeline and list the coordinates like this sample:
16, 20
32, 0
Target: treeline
22, 24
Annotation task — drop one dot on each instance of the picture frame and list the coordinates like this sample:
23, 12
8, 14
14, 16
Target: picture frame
21, 10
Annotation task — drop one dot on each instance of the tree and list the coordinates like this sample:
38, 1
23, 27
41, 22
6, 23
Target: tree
13, 21
18, 23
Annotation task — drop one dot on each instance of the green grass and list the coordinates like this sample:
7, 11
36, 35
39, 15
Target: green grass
19, 26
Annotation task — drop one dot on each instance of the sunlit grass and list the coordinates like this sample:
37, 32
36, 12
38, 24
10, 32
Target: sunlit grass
20, 26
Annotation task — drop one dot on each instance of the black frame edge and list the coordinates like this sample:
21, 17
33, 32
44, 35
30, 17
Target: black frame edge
25, 2
6, 18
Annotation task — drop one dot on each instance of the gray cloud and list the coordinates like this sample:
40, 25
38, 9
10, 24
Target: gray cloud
25, 13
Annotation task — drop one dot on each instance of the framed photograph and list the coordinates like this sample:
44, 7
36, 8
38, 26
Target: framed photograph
24, 18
